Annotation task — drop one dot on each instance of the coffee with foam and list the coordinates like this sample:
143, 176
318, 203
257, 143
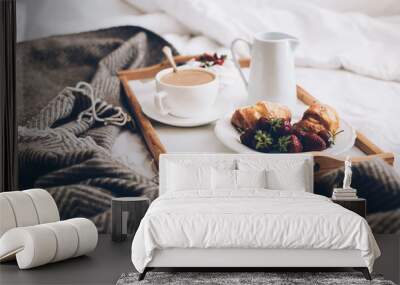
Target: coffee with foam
188, 77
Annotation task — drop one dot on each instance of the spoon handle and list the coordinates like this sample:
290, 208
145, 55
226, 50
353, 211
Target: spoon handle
168, 53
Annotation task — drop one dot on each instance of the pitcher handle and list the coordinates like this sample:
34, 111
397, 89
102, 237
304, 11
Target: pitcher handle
236, 61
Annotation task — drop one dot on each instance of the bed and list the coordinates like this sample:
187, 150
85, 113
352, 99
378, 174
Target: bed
363, 87
206, 218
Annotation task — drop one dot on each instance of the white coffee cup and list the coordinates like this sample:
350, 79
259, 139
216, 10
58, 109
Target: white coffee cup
185, 101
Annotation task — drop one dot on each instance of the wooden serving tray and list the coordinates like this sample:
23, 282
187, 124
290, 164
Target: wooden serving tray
323, 163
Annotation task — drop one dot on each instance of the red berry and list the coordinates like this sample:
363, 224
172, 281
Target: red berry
247, 138
295, 145
264, 141
207, 57
326, 136
298, 132
281, 127
263, 124
312, 142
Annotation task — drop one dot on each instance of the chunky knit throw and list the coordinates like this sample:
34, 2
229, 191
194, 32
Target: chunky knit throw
379, 184
68, 156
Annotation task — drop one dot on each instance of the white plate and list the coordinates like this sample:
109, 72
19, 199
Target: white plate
217, 111
230, 137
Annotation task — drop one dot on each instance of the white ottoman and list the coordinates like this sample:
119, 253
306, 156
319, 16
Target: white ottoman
37, 245
26, 208
31, 231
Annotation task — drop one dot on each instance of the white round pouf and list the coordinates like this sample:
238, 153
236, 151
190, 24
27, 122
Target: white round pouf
40, 244
33, 246
45, 205
31, 231
67, 240
87, 234
7, 218
23, 208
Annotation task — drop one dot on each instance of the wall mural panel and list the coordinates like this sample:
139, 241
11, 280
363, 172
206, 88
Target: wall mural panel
79, 126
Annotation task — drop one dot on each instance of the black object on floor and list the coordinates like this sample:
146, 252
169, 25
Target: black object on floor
127, 212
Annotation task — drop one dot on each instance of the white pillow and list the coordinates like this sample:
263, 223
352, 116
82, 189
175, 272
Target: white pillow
294, 174
251, 179
227, 179
183, 178
293, 180
224, 179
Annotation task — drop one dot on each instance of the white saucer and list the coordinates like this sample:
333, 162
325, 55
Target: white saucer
230, 137
215, 112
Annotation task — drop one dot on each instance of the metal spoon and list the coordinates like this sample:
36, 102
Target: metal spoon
168, 53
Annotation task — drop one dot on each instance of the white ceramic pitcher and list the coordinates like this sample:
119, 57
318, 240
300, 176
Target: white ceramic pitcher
272, 72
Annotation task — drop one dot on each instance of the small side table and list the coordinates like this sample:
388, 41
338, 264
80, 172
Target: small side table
357, 205
127, 212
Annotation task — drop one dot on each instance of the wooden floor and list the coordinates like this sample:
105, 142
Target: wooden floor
110, 260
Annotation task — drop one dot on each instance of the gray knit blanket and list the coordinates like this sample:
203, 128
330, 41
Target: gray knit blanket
379, 184
67, 156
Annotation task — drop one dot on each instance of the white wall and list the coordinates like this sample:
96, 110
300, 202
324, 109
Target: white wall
40, 18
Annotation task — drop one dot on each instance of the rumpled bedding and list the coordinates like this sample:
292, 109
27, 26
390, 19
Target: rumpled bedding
347, 55
251, 218
343, 44
352, 41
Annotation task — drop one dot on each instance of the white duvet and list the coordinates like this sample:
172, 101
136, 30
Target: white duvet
360, 36
347, 58
250, 219
329, 39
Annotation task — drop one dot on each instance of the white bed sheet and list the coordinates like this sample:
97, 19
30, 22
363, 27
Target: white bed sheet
370, 105
346, 37
250, 219
328, 39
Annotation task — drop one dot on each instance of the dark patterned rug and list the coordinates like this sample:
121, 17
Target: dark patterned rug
273, 278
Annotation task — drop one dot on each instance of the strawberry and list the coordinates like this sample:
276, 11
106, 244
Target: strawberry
282, 144
263, 141
329, 137
299, 133
281, 127
312, 142
263, 124
247, 138
290, 143
326, 136
295, 145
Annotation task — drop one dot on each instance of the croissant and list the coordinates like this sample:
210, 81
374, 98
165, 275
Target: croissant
319, 117
247, 117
